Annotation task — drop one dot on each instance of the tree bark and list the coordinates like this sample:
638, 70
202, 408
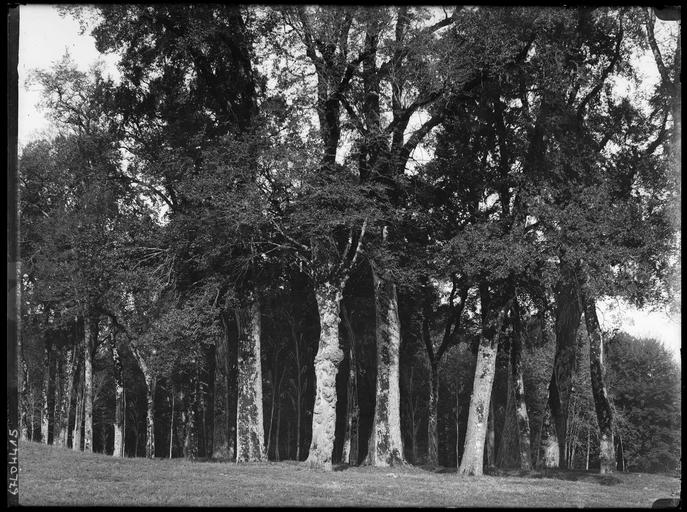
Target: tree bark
478, 415
568, 316
57, 394
550, 452
209, 402
250, 431
118, 449
45, 393
66, 402
329, 356
151, 382
350, 448
604, 413
171, 425
23, 385
386, 444
490, 452
78, 415
523, 420
90, 338
432, 423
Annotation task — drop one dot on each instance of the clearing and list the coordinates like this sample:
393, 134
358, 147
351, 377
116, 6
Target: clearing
58, 476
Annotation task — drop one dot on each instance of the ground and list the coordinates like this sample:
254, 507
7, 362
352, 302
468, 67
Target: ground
58, 476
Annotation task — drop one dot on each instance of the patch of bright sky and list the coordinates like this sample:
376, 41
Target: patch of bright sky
45, 36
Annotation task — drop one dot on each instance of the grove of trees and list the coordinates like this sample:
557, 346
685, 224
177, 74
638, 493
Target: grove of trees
361, 235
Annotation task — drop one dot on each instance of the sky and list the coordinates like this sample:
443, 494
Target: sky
44, 38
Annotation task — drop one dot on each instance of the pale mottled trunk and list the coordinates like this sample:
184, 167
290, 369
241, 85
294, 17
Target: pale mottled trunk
432, 423
478, 415
90, 337
386, 444
57, 394
550, 450
118, 449
250, 432
329, 356
150, 414
65, 403
586, 466
604, 413
25, 429
45, 420
190, 448
523, 420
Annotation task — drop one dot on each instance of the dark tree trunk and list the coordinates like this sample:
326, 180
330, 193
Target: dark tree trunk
210, 402
250, 431
604, 412
78, 414
490, 451
350, 448
568, 315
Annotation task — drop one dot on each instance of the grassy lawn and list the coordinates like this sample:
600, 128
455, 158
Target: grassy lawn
57, 476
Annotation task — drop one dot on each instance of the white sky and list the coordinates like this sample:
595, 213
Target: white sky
45, 36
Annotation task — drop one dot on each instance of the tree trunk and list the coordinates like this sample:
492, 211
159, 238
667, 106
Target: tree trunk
432, 424
586, 466
250, 431
604, 413
299, 395
523, 420
386, 444
90, 338
350, 448
458, 411
187, 419
568, 315
150, 380
329, 356
490, 451
78, 414
171, 426
277, 456
548, 439
65, 403
58, 395
45, 392
210, 409
25, 429
478, 415
118, 449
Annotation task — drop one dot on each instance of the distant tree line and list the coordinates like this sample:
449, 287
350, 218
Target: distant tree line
235, 251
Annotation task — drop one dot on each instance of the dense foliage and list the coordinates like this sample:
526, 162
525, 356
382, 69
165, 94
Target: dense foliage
255, 155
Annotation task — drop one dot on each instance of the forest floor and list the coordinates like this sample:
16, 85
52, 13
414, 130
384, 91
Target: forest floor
58, 476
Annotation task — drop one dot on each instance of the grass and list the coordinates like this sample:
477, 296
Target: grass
58, 476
